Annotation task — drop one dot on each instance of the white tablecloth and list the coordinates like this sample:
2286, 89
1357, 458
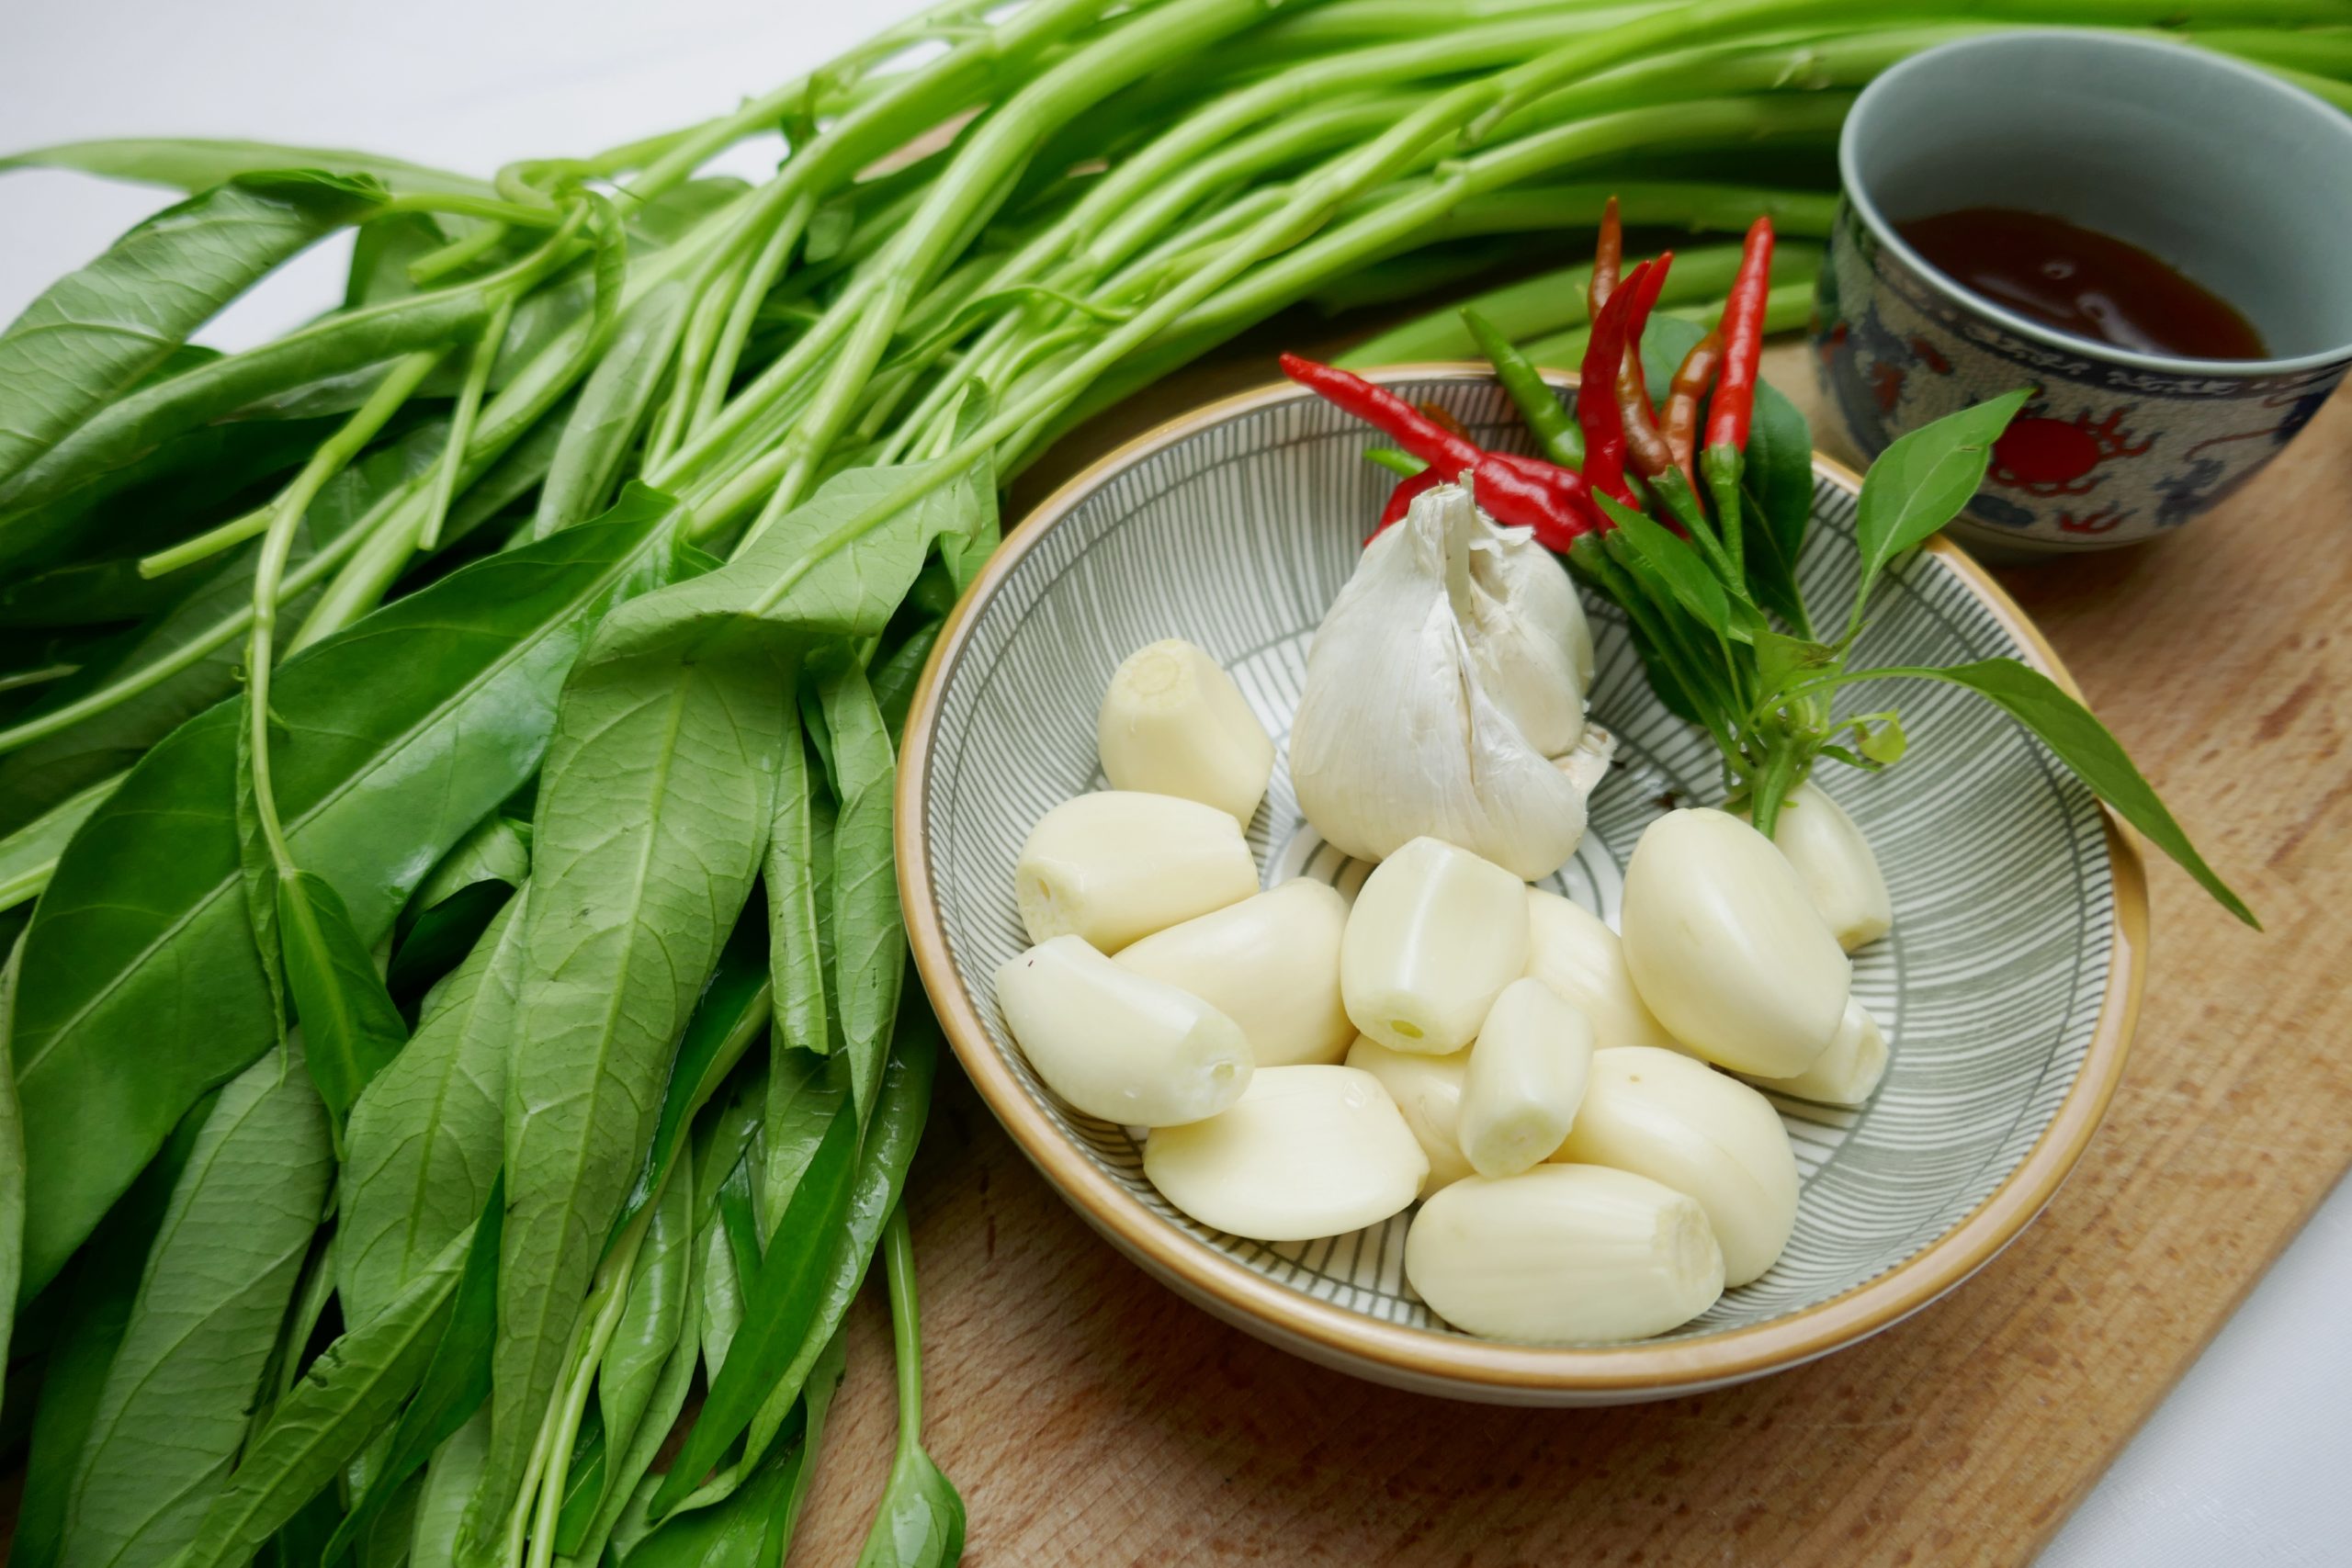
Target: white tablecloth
2246, 1464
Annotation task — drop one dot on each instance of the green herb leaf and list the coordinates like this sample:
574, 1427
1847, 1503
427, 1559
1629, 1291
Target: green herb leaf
583, 1484
2068, 729
1776, 487
612, 406
140, 985
350, 1028
192, 163
869, 937
1921, 482
172, 1414
653, 1318
455, 1379
797, 966
94, 333
780, 1305
349, 1394
1673, 570
422, 1152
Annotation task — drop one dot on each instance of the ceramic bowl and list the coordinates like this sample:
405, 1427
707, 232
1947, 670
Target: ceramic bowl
2239, 179
2007, 987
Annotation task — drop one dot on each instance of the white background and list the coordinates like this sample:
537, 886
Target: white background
2245, 1464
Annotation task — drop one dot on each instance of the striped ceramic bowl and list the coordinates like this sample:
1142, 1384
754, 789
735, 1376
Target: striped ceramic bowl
2007, 988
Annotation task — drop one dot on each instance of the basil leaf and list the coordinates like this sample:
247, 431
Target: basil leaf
1776, 484
2068, 729
94, 333
1663, 560
1921, 482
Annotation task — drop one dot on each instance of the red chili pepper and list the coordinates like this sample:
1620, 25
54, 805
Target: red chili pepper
1442, 419
1607, 256
1596, 411
1684, 395
1523, 492
1377, 406
1647, 449
1743, 332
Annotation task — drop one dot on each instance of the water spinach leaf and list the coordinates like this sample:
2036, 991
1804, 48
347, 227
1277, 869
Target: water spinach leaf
12, 1161
350, 1028
422, 1148
142, 986
94, 333
921, 1521
869, 937
349, 1394
172, 1414
194, 164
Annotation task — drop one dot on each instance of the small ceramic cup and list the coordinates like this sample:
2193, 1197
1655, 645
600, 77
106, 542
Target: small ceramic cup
2238, 179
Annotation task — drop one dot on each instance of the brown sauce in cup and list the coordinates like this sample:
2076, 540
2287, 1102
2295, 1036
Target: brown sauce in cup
2082, 282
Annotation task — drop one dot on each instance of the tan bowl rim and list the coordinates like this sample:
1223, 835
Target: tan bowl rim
1645, 1366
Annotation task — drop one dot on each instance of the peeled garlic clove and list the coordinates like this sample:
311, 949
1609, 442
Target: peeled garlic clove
1174, 723
1682, 1122
1725, 947
1435, 937
1119, 864
1525, 1080
1306, 1152
1848, 1072
1570, 949
1270, 964
1427, 1090
1834, 861
1117, 1046
1564, 1252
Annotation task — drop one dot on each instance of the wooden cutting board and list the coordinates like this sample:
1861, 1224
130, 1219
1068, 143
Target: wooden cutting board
1092, 1417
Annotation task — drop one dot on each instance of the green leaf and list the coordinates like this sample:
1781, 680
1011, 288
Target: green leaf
12, 1159
780, 1306
96, 1297
896, 678
140, 985
789, 874
94, 333
453, 1385
652, 814
447, 914
1921, 482
869, 937
613, 405
134, 425
496, 848
172, 1414
350, 1028
349, 1394
2084, 744
1776, 485
1781, 661
448, 1485
1664, 561
422, 1152
653, 1318
29, 855
623, 1488
190, 164
202, 623
805, 1092
584, 1485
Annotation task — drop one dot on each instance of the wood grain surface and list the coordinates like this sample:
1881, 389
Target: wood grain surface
1092, 1417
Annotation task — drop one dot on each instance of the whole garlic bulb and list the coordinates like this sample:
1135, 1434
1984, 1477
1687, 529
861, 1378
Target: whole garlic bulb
1444, 684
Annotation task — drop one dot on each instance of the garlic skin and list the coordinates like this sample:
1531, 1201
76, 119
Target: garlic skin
1564, 1252
1117, 1046
1173, 723
1835, 861
1680, 1123
1570, 949
1306, 1152
1119, 864
1447, 676
1435, 935
1427, 1090
1525, 1080
1847, 1073
1269, 963
1724, 945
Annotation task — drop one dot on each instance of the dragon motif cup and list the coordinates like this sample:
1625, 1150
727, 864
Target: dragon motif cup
2241, 180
